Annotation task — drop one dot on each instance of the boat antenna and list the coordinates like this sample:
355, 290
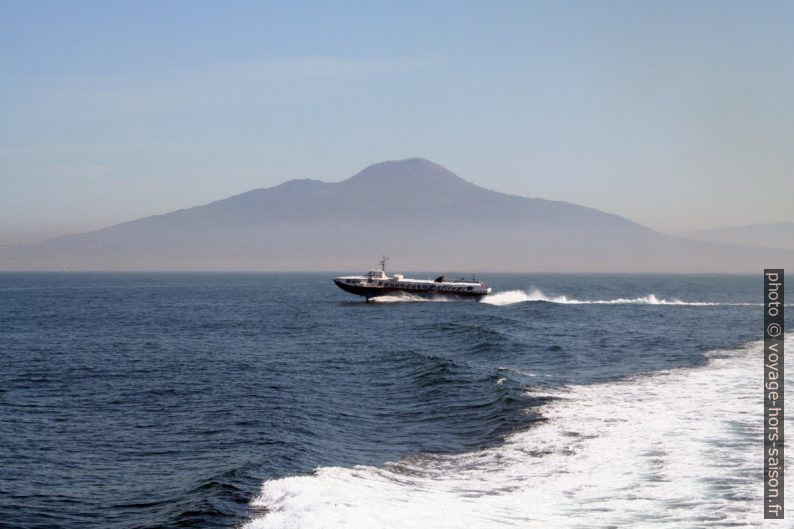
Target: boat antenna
383, 260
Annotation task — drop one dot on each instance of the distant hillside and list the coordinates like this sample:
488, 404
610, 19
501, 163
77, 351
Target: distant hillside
778, 235
415, 211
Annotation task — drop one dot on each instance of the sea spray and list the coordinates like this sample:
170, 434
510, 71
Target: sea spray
646, 451
510, 297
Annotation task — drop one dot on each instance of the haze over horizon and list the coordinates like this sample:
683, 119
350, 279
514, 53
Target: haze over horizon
415, 209
676, 115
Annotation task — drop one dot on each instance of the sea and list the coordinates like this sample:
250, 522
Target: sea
269, 401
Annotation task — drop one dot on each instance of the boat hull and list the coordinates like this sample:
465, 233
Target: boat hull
370, 292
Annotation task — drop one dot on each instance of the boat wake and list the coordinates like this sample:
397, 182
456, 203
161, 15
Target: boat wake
406, 297
510, 297
679, 448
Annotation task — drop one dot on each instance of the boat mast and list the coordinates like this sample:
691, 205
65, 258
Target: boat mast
383, 260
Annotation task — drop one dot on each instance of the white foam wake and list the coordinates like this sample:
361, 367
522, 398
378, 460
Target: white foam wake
406, 297
510, 297
676, 449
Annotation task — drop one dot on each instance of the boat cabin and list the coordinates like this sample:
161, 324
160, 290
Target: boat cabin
376, 274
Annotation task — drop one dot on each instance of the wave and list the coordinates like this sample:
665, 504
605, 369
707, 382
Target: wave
510, 297
462, 405
680, 448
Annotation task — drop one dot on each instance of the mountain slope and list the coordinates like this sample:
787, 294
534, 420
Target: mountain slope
777, 235
422, 215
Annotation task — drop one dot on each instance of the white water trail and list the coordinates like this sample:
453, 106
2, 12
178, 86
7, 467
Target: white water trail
407, 297
676, 449
510, 297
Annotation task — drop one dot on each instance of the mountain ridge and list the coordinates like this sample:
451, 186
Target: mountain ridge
414, 209
766, 235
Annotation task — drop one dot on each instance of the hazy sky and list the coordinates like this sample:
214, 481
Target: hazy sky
678, 115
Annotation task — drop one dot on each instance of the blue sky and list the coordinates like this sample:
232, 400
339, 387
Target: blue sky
678, 115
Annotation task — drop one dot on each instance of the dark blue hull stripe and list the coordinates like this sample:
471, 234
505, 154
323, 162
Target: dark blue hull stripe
372, 292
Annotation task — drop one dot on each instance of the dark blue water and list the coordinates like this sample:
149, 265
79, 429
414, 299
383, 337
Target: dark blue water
165, 400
